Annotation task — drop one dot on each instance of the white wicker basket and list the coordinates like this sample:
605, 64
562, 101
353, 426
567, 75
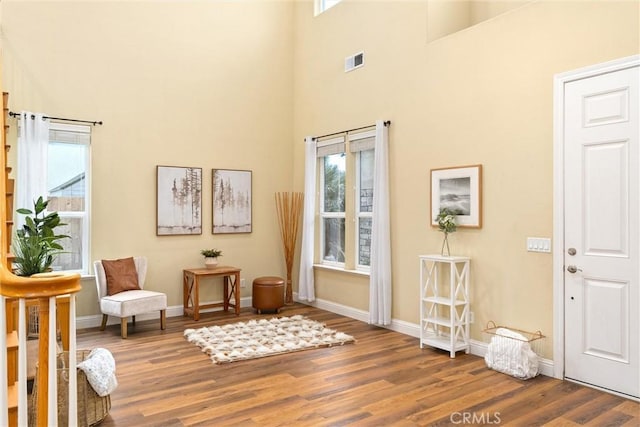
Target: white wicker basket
92, 409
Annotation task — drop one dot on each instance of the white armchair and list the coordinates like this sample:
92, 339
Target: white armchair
127, 303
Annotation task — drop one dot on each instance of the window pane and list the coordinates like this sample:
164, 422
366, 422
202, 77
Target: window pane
333, 239
326, 4
72, 258
366, 181
364, 241
334, 174
67, 193
66, 177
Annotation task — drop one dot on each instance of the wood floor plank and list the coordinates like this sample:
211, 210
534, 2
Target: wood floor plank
457, 398
384, 379
561, 422
628, 407
555, 408
611, 418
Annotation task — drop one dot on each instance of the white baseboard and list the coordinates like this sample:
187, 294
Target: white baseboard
478, 348
333, 307
396, 325
93, 321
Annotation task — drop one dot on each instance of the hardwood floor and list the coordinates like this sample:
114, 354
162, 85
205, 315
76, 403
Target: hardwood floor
384, 379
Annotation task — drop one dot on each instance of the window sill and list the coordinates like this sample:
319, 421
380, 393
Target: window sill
83, 275
340, 270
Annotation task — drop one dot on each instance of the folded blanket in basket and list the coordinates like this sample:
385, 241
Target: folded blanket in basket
510, 353
100, 370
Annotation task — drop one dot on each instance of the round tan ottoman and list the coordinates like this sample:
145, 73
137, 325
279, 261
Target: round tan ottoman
268, 293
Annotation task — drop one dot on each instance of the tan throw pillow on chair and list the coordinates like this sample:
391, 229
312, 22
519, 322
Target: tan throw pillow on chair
121, 275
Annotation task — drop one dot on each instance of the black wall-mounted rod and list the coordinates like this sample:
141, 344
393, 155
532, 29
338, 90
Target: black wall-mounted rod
12, 114
386, 123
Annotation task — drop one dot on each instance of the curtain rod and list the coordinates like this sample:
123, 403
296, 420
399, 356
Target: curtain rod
386, 123
12, 114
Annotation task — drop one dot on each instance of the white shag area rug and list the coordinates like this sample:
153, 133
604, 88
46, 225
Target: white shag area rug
260, 338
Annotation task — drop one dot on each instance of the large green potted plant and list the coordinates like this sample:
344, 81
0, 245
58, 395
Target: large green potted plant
36, 245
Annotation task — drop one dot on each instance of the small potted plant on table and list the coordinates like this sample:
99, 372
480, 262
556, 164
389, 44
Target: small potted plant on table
211, 257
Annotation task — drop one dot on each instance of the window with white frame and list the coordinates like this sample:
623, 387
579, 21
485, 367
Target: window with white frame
346, 213
332, 200
68, 192
362, 146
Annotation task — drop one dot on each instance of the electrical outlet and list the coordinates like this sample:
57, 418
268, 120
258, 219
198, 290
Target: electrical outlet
472, 317
243, 283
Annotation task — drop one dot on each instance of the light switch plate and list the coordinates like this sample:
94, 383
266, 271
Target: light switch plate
539, 244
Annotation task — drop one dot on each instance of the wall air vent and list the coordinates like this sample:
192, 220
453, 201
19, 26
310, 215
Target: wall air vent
354, 61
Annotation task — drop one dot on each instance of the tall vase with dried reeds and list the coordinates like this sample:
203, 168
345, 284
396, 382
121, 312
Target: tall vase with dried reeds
289, 206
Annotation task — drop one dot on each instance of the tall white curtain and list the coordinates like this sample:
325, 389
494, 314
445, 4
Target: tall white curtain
306, 288
31, 176
380, 272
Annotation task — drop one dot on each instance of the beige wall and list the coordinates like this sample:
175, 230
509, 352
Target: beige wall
445, 17
204, 84
482, 95
481, 10
239, 84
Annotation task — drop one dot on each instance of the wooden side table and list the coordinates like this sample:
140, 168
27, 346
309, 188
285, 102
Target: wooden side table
191, 289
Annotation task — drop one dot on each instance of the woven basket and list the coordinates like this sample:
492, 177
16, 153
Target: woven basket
92, 409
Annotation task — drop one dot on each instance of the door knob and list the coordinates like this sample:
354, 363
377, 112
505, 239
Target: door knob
573, 269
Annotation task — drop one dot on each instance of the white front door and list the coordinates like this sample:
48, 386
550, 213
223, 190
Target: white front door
601, 225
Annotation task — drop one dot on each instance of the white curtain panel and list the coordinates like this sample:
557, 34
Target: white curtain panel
380, 274
31, 176
306, 287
